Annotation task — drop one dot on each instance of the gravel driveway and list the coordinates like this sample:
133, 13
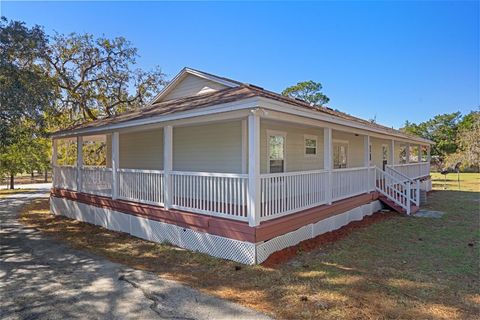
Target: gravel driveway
41, 278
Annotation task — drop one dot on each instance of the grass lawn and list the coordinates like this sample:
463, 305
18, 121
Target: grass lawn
400, 267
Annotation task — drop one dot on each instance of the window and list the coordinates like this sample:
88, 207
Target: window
310, 145
340, 155
384, 152
276, 152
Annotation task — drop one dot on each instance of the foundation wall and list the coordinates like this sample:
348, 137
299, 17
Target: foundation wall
221, 247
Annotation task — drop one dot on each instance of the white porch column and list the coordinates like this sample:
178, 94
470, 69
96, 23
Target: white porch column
253, 169
391, 160
328, 162
366, 151
407, 153
167, 165
419, 151
79, 162
429, 156
115, 164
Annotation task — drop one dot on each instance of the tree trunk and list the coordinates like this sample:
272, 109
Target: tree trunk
31, 175
12, 178
46, 175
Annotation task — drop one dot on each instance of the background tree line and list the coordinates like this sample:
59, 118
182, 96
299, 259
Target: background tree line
456, 137
53, 82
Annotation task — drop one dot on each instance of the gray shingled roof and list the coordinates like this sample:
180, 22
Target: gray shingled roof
241, 92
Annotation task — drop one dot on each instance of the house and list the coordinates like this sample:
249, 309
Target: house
235, 171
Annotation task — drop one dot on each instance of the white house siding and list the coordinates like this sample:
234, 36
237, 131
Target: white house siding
141, 149
192, 86
295, 159
355, 156
208, 148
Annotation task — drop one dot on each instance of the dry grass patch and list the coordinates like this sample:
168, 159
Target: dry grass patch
402, 267
7, 192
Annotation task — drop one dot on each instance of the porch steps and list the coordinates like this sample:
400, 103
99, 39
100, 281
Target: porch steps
392, 205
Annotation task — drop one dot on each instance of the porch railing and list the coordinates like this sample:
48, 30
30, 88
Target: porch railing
219, 194
96, 180
285, 193
141, 185
347, 183
65, 177
223, 194
412, 170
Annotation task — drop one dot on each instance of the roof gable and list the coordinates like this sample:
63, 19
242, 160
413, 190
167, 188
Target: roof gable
190, 82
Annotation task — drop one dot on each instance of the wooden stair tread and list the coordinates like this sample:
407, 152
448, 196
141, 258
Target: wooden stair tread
392, 205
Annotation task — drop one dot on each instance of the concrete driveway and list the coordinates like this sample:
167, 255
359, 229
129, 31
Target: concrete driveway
41, 278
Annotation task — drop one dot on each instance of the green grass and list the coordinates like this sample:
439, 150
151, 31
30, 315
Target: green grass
399, 268
454, 181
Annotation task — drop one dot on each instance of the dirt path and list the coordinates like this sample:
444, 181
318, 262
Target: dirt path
41, 278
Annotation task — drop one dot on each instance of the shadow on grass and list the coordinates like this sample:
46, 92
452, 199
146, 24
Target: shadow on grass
402, 267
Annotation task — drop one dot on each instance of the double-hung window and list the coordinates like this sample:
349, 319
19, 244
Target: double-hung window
310, 145
276, 151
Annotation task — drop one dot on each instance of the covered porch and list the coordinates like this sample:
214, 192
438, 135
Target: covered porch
248, 165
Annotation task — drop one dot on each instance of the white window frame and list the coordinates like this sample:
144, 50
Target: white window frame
348, 152
310, 137
284, 135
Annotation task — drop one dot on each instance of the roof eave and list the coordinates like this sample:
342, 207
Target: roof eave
337, 120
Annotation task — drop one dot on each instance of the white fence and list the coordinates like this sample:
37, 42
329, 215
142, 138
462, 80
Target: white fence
413, 170
97, 180
219, 194
141, 185
351, 182
65, 177
223, 194
285, 193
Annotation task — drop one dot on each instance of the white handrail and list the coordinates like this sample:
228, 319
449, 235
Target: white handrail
412, 170
415, 192
139, 170
407, 164
289, 174
209, 174
394, 189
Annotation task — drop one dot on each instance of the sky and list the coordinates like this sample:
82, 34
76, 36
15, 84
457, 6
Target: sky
392, 61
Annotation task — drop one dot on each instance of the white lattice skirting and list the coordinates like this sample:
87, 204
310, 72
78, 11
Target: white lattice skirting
221, 247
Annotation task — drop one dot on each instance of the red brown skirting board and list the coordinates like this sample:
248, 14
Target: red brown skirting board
220, 226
